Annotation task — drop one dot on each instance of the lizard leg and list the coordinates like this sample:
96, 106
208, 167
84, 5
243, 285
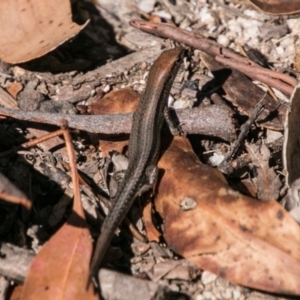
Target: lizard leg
151, 175
174, 128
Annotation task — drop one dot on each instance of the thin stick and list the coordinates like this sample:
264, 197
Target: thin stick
245, 129
257, 73
219, 52
77, 206
41, 139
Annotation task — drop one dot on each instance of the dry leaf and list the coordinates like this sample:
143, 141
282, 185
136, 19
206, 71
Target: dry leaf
119, 101
7, 100
267, 182
278, 7
30, 29
291, 156
237, 85
61, 269
222, 231
16, 293
14, 88
245, 186
297, 54
151, 231
10, 193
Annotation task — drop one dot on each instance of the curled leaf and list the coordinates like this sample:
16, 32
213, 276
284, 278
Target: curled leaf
223, 231
278, 7
30, 29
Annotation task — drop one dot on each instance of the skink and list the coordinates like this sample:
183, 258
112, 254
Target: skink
144, 146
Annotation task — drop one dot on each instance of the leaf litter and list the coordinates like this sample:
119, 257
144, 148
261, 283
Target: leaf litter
213, 226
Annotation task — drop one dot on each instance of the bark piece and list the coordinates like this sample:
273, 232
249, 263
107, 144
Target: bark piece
267, 182
15, 262
244, 94
226, 233
122, 287
194, 121
7, 100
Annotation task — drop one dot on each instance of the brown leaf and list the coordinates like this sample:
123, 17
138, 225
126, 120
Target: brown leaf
244, 94
152, 233
10, 193
16, 293
119, 101
222, 231
297, 54
14, 88
278, 7
245, 186
291, 156
61, 268
30, 29
267, 182
7, 100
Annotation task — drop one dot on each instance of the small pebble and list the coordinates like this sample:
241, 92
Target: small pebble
293, 24
223, 40
234, 27
208, 277
174, 287
209, 295
280, 51
163, 14
227, 294
252, 31
236, 294
106, 89
171, 101
181, 104
216, 159
205, 16
286, 42
252, 14
146, 5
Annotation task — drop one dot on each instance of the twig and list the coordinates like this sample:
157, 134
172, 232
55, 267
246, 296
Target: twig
228, 167
134, 231
245, 129
220, 53
257, 73
9, 192
15, 199
195, 121
77, 206
75, 174
42, 139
